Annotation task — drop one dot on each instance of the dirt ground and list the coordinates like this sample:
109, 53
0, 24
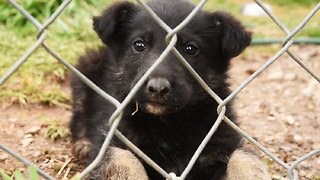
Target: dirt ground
279, 108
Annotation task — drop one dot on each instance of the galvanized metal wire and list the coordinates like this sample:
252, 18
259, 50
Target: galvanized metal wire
171, 40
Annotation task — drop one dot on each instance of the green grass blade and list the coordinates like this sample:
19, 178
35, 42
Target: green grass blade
76, 177
4, 175
18, 175
33, 174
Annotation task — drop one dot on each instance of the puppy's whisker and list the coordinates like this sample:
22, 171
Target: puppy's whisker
137, 108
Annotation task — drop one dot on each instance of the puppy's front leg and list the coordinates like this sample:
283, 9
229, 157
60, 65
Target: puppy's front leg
121, 165
245, 166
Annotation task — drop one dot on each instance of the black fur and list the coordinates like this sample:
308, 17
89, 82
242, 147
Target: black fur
174, 113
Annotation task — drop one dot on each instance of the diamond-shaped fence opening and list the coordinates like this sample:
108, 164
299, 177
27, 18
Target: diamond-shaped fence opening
171, 40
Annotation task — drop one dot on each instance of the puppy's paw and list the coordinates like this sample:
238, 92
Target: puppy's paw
123, 165
245, 166
81, 149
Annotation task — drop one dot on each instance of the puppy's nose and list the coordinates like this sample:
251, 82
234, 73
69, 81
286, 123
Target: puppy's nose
158, 87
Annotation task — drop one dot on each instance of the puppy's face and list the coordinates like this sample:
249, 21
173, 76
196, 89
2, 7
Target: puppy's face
207, 43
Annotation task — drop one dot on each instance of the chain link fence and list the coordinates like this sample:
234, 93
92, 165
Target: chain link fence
171, 40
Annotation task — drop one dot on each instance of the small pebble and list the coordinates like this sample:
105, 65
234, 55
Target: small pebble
290, 120
3, 157
26, 142
275, 75
33, 130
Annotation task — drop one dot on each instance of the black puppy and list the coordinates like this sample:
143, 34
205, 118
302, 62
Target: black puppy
174, 112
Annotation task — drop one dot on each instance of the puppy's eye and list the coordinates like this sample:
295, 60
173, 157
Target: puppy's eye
139, 45
191, 49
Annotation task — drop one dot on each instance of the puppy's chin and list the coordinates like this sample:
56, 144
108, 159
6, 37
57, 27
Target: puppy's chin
156, 109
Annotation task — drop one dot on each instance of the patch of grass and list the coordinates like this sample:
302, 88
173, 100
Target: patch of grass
285, 14
232, 7
54, 133
310, 32
4, 175
268, 49
56, 167
307, 3
41, 77
264, 27
41, 10
55, 128
32, 174
30, 91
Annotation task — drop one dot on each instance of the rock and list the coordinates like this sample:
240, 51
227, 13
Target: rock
13, 120
20, 133
277, 75
27, 136
274, 176
33, 130
36, 154
290, 77
289, 120
298, 139
307, 92
26, 142
271, 118
285, 148
308, 53
4, 157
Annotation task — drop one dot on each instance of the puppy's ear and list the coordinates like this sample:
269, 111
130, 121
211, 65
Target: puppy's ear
234, 37
109, 24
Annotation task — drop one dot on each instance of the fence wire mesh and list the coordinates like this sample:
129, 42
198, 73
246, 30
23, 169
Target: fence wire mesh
171, 40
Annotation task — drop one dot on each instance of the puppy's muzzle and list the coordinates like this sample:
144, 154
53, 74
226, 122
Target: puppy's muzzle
158, 89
